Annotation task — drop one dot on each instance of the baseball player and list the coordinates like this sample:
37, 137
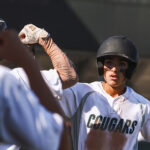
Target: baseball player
23, 120
109, 105
62, 76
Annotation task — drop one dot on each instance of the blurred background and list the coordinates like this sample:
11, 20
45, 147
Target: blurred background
79, 26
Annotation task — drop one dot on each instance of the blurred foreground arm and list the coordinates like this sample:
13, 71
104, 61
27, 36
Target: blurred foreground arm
104, 140
31, 34
13, 50
23, 120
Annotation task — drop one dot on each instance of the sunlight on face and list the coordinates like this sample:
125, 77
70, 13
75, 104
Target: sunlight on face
114, 70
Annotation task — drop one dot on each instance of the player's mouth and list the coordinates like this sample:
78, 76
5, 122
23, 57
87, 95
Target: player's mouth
114, 77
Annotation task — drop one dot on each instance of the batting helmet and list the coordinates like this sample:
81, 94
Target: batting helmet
118, 46
3, 25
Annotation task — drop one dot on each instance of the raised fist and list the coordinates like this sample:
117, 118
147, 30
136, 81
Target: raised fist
30, 34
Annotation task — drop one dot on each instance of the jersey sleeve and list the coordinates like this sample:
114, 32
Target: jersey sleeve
23, 120
51, 78
72, 97
145, 131
68, 102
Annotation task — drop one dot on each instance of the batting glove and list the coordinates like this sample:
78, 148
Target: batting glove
30, 34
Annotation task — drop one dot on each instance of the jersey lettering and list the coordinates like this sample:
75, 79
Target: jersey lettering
105, 123
126, 127
89, 124
133, 127
119, 125
98, 122
111, 124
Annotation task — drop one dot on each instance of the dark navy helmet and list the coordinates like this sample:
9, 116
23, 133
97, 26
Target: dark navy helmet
118, 46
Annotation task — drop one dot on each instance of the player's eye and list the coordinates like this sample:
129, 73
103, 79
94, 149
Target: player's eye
123, 65
108, 63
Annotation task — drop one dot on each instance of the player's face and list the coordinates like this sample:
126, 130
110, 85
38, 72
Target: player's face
114, 69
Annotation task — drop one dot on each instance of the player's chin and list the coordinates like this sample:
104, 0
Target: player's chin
114, 83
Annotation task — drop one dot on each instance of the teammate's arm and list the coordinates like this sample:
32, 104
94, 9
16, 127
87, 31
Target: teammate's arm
105, 140
59, 59
23, 120
13, 50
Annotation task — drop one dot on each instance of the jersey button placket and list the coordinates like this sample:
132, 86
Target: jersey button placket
116, 104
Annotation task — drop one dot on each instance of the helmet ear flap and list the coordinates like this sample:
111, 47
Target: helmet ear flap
130, 70
100, 67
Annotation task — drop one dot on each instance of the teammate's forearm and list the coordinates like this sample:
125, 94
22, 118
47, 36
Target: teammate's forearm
39, 86
31, 34
65, 143
60, 62
13, 50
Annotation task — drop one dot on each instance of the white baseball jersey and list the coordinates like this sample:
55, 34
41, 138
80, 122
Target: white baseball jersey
128, 113
51, 78
23, 120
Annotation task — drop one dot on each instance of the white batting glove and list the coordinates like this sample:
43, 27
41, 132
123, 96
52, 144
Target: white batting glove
30, 34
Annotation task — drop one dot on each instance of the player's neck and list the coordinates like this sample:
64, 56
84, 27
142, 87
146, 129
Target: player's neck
113, 91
